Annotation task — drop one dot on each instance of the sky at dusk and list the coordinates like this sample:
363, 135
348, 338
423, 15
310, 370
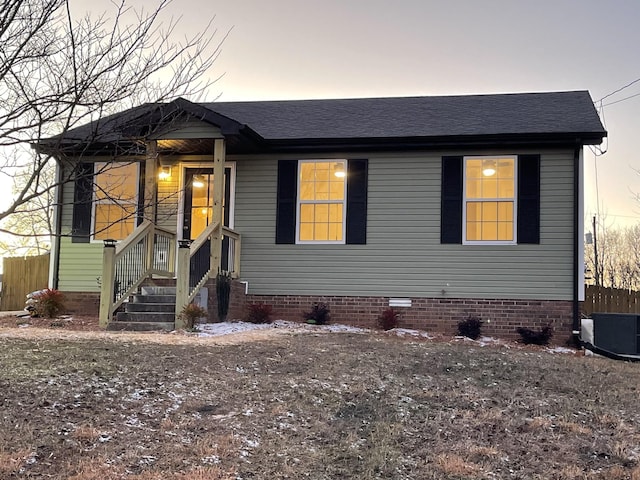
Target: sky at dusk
293, 49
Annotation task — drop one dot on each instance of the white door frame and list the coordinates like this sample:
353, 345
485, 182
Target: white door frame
183, 175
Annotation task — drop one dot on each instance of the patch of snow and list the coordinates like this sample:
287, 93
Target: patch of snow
252, 443
409, 331
226, 328
561, 350
343, 328
211, 460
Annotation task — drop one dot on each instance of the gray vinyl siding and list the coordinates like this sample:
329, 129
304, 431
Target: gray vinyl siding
80, 263
80, 266
190, 129
168, 200
403, 255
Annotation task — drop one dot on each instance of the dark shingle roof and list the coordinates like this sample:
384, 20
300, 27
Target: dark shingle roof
528, 113
554, 115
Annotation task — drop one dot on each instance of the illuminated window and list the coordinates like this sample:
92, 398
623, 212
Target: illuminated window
116, 200
489, 199
321, 201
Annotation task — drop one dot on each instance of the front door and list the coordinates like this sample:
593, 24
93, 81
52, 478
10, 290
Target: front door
198, 206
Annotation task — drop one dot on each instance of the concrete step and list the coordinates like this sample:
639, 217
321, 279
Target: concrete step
147, 290
160, 317
131, 307
141, 298
140, 326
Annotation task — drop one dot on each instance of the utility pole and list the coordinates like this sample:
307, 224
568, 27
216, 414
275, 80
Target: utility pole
595, 252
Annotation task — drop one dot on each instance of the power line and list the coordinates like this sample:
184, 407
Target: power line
621, 100
619, 90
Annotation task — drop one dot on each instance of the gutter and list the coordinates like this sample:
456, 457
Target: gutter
576, 245
55, 242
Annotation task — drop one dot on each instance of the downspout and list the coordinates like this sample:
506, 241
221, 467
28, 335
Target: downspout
576, 245
54, 265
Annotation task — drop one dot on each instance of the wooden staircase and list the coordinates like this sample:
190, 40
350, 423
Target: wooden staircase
152, 309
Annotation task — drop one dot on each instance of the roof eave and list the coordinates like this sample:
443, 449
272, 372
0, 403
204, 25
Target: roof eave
442, 142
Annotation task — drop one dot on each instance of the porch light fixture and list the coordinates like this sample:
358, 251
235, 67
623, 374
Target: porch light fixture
165, 173
489, 169
198, 181
339, 170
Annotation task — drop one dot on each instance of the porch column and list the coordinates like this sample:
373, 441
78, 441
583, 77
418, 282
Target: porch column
218, 197
182, 280
107, 286
151, 180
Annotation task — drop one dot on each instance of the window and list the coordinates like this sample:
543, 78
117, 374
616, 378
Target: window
489, 199
321, 201
116, 194
351, 201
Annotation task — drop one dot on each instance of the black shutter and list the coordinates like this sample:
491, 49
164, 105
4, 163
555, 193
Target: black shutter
82, 198
451, 200
287, 198
141, 193
528, 199
357, 202
224, 261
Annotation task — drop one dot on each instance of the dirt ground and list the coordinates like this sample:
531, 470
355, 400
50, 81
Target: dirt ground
84, 404
86, 327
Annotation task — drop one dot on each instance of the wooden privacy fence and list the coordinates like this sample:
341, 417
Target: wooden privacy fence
22, 275
610, 300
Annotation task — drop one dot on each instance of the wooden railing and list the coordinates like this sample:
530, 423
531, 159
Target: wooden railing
149, 250
610, 300
235, 248
195, 265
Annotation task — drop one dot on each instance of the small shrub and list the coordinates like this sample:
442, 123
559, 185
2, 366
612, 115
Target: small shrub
470, 327
190, 314
319, 314
49, 303
223, 293
259, 313
388, 319
535, 337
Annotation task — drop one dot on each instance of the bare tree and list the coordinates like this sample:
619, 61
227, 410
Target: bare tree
58, 72
618, 256
31, 226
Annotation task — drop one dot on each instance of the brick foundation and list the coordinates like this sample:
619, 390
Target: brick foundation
82, 303
438, 315
237, 301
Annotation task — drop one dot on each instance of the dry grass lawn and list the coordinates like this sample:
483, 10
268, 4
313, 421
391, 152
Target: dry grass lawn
313, 405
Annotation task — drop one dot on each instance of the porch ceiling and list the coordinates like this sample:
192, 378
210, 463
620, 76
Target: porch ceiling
203, 146
196, 146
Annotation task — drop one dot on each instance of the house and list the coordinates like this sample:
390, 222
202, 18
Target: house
446, 206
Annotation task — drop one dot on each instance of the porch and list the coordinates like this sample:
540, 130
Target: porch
153, 253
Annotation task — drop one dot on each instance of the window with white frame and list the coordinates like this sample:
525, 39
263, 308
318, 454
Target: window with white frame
489, 210
321, 205
116, 200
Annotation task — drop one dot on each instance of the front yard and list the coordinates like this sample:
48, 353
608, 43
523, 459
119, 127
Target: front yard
310, 404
